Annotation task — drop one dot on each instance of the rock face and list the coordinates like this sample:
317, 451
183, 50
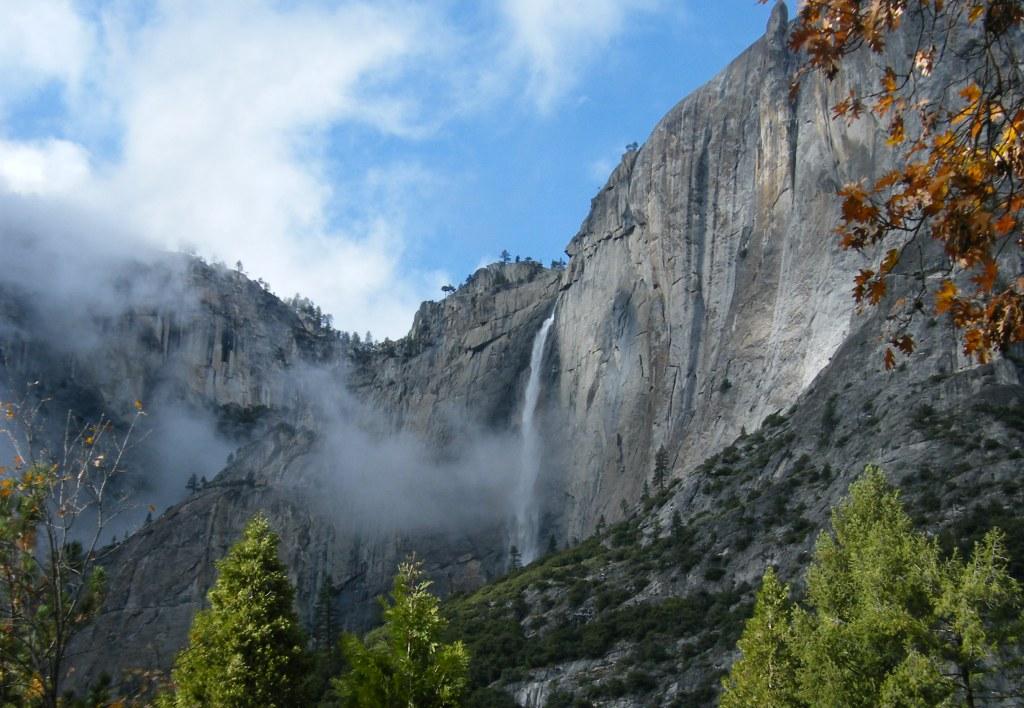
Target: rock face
217, 339
704, 293
469, 355
162, 573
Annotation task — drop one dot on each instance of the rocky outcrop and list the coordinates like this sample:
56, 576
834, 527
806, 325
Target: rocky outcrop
466, 355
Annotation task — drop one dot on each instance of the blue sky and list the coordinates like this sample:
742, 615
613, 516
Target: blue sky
361, 153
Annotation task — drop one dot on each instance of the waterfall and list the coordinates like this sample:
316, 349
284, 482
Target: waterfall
527, 515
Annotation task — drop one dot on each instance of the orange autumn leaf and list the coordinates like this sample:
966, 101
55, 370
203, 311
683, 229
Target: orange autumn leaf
877, 291
905, 344
890, 261
945, 296
1004, 224
986, 279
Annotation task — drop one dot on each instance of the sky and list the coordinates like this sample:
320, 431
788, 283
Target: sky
360, 153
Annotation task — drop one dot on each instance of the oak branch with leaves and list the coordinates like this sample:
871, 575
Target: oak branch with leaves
55, 507
958, 143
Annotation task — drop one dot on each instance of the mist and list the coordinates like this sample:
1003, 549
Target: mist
75, 270
396, 480
72, 283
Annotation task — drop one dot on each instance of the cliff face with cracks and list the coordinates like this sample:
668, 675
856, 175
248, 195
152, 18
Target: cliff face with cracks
705, 290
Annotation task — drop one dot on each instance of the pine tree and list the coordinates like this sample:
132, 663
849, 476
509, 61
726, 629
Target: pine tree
515, 559
676, 525
552, 544
660, 467
405, 664
865, 592
247, 649
886, 616
765, 674
323, 617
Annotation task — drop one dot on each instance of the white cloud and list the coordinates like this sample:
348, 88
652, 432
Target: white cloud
41, 39
42, 167
222, 109
556, 39
220, 115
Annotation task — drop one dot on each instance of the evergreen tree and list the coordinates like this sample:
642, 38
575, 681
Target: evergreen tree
247, 649
323, 619
552, 544
869, 591
887, 620
765, 674
193, 484
676, 525
505, 256
514, 559
405, 664
660, 467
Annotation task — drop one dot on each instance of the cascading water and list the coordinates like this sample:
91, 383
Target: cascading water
527, 515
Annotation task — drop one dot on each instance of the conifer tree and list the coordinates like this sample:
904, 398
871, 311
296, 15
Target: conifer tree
515, 558
765, 674
660, 467
868, 592
323, 620
247, 649
405, 663
887, 620
676, 525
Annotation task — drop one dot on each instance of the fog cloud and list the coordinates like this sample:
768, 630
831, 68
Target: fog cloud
67, 303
